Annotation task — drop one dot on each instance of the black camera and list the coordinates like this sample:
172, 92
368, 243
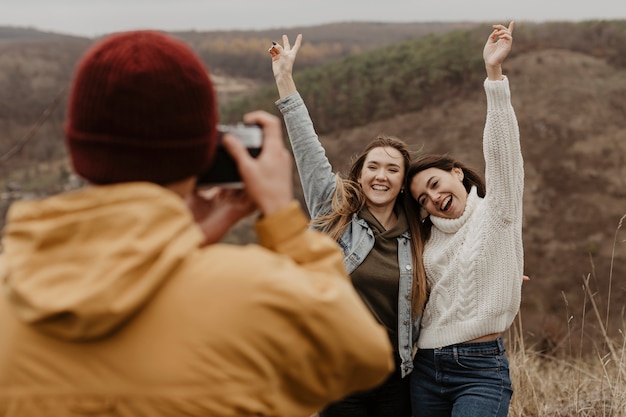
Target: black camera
223, 171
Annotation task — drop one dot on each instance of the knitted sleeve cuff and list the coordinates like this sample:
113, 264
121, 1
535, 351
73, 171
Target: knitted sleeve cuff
498, 93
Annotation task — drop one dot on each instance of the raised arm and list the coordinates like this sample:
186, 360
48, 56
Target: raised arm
504, 172
318, 180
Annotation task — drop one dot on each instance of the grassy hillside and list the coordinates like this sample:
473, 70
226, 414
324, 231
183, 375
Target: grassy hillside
573, 144
568, 83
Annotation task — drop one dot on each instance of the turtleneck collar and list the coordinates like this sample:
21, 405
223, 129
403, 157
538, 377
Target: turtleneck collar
453, 225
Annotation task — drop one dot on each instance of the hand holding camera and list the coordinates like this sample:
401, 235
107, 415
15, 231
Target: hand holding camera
223, 171
268, 177
248, 177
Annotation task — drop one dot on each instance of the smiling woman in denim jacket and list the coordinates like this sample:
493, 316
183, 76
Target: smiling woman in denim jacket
366, 215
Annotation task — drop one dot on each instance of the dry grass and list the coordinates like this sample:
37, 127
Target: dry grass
590, 386
573, 384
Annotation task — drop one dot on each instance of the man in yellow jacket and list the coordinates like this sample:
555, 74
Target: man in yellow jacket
116, 298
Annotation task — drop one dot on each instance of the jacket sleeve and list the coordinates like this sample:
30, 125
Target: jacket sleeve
336, 345
316, 176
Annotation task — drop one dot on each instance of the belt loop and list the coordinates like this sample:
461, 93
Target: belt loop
455, 352
500, 344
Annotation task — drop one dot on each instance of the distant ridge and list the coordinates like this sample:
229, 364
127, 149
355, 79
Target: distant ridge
16, 34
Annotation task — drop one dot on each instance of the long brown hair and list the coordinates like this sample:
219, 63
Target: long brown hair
444, 162
349, 199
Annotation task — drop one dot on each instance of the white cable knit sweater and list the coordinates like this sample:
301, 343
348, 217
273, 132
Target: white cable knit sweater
474, 264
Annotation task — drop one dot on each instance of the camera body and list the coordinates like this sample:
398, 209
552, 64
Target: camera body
223, 171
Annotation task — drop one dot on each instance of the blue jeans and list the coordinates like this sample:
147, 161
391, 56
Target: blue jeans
463, 380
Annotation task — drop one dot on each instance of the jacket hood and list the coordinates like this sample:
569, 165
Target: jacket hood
80, 264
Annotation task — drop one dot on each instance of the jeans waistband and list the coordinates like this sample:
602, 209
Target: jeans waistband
490, 347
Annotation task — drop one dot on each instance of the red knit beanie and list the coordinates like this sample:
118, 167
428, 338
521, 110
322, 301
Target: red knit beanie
142, 108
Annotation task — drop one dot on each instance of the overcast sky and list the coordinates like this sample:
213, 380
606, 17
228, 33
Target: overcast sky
97, 17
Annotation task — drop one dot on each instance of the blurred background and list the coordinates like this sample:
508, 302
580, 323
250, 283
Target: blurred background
405, 69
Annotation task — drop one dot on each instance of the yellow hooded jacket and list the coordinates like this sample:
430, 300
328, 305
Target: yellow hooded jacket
110, 307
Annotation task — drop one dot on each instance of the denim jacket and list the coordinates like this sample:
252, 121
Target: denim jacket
318, 184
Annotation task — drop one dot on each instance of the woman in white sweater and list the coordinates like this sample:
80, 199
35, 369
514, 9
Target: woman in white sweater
473, 259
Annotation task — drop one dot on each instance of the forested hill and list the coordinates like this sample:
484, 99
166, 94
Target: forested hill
569, 90
35, 69
423, 84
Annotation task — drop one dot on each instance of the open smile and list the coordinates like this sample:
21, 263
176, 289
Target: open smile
447, 203
379, 187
